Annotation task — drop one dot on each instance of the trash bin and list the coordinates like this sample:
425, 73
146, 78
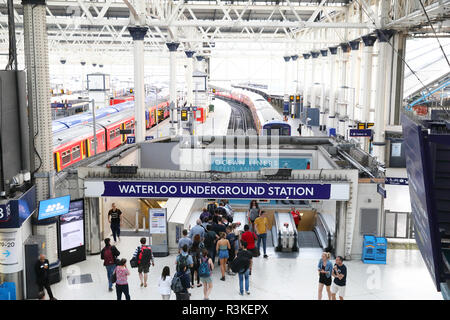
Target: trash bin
211, 108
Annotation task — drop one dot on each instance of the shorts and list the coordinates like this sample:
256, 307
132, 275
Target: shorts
206, 279
340, 290
324, 280
143, 268
223, 254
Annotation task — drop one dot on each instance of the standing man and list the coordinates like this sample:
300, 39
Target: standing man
297, 217
42, 266
340, 277
115, 219
144, 256
262, 225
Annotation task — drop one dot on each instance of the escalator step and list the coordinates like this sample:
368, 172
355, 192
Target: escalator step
308, 239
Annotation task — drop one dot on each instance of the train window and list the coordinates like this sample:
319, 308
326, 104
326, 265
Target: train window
65, 157
117, 132
76, 152
112, 134
285, 131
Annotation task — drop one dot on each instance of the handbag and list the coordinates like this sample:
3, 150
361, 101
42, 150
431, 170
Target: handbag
114, 277
134, 262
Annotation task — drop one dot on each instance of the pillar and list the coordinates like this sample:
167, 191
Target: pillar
294, 59
353, 85
306, 57
138, 33
324, 54
189, 80
314, 63
285, 92
379, 144
342, 110
332, 92
173, 46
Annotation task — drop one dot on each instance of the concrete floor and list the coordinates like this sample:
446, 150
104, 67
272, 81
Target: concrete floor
287, 276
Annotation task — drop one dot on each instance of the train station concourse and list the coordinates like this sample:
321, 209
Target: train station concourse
230, 153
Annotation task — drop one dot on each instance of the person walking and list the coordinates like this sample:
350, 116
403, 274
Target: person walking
243, 265
325, 268
262, 225
340, 278
122, 274
180, 284
184, 260
205, 269
184, 241
253, 213
144, 256
231, 237
299, 129
210, 242
195, 253
250, 237
109, 256
41, 268
197, 229
164, 283
204, 216
115, 220
222, 247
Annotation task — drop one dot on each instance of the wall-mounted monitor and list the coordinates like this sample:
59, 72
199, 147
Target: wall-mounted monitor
71, 234
53, 207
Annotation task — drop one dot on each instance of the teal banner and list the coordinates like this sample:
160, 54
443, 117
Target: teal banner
228, 164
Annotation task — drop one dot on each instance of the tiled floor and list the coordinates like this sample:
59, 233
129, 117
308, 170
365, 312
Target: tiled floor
283, 276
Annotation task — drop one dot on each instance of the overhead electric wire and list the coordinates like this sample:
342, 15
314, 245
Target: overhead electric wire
434, 31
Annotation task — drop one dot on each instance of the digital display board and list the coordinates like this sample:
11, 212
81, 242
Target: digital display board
53, 207
72, 226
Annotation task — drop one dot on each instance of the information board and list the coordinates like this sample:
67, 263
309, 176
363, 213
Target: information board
72, 226
158, 221
53, 207
420, 187
10, 252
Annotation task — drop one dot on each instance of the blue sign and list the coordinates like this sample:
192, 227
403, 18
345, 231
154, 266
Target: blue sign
360, 132
53, 207
5, 211
204, 190
230, 164
131, 139
20, 209
149, 138
381, 190
396, 181
418, 167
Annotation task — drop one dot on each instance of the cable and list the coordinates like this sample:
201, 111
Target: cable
434, 31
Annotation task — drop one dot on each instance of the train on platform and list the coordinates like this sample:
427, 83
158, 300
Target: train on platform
267, 120
73, 137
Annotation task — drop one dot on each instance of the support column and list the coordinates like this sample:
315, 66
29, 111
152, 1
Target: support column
306, 57
398, 75
285, 92
354, 77
189, 80
173, 46
314, 55
367, 82
322, 122
332, 91
343, 83
138, 34
294, 59
380, 98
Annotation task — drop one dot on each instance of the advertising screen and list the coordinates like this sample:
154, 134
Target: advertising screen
53, 207
72, 226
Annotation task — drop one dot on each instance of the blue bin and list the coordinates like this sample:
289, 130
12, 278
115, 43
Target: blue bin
381, 250
374, 250
332, 132
8, 291
369, 248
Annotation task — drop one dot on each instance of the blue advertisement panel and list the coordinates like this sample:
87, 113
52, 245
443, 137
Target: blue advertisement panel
53, 207
215, 190
396, 181
227, 164
419, 179
20, 209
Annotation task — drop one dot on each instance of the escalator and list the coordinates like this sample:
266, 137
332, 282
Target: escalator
284, 234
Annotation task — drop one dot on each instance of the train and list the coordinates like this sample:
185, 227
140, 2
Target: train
73, 137
267, 120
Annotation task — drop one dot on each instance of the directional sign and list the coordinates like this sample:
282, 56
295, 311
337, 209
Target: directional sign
149, 138
360, 133
10, 251
131, 140
398, 181
381, 190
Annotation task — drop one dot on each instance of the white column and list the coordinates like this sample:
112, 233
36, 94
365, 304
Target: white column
367, 76
342, 82
332, 91
323, 69
173, 46
285, 90
380, 98
294, 78
352, 83
139, 96
306, 57
189, 80
312, 88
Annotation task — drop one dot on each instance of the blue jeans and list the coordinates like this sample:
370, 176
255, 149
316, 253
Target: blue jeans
243, 274
212, 254
263, 237
109, 273
115, 228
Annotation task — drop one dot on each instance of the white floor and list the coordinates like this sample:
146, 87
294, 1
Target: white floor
284, 276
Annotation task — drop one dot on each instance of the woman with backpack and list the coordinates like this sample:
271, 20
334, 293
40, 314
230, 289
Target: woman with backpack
204, 271
194, 251
109, 256
222, 247
253, 213
121, 274
180, 284
164, 283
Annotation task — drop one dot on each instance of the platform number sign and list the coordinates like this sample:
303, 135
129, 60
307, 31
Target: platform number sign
131, 139
5, 212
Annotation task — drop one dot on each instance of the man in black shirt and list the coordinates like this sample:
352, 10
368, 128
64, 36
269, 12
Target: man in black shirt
246, 259
340, 277
42, 266
115, 219
219, 226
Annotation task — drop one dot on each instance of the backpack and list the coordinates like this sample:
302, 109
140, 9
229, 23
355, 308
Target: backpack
211, 208
239, 263
177, 285
209, 240
254, 213
203, 270
182, 262
108, 256
144, 255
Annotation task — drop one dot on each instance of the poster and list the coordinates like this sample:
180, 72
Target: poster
396, 149
158, 222
10, 251
72, 226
